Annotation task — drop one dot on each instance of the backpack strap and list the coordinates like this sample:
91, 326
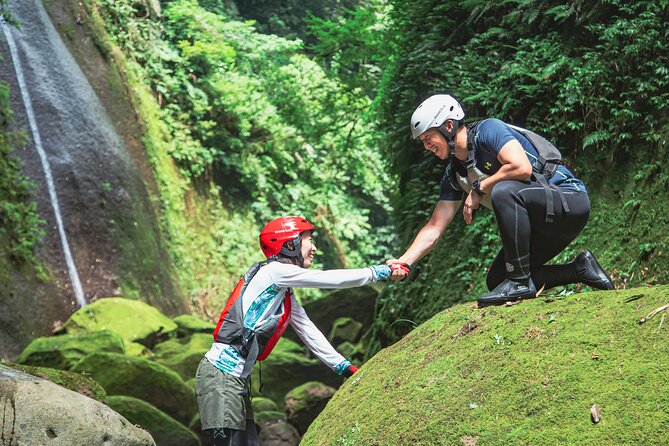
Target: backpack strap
471, 144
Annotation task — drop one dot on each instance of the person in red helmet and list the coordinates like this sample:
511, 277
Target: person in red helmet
256, 315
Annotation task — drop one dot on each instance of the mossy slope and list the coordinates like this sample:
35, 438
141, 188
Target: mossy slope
526, 374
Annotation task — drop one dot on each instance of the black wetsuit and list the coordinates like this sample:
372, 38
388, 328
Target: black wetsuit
528, 240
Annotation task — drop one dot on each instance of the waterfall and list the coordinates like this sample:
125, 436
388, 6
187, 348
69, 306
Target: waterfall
53, 196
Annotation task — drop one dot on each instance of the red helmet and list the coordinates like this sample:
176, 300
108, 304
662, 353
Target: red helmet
279, 231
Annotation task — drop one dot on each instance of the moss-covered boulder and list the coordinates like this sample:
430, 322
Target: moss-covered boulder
138, 350
188, 325
183, 354
261, 404
525, 374
143, 379
286, 368
304, 403
69, 380
345, 329
133, 320
63, 351
350, 302
165, 430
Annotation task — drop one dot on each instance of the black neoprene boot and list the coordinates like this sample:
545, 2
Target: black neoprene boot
589, 272
508, 291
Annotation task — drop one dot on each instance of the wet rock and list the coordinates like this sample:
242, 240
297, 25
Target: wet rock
304, 403
286, 368
63, 351
143, 379
133, 320
183, 354
70, 380
345, 329
39, 412
278, 433
188, 325
166, 431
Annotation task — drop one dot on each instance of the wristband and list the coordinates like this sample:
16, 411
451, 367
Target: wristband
476, 187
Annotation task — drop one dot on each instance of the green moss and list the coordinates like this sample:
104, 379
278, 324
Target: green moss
183, 354
188, 324
143, 379
261, 404
306, 395
63, 351
70, 380
133, 320
165, 430
138, 350
526, 374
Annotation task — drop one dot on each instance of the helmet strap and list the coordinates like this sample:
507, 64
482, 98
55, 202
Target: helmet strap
296, 252
450, 136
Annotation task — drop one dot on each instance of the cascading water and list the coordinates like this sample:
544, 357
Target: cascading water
53, 196
101, 226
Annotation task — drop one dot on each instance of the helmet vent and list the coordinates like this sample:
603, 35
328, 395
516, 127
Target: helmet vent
451, 108
416, 124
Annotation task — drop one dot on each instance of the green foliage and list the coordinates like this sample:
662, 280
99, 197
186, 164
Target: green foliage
19, 221
263, 121
590, 75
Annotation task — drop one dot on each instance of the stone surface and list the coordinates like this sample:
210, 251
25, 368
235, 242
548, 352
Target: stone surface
166, 431
70, 380
38, 412
304, 403
143, 379
278, 433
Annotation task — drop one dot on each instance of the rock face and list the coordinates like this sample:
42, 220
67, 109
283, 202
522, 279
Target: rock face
304, 403
39, 412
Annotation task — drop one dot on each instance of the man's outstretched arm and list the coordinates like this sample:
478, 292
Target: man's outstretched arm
429, 235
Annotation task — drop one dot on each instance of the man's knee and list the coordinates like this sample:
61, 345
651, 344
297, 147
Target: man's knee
504, 191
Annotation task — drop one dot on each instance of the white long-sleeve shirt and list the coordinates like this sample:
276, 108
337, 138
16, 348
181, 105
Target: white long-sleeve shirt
263, 300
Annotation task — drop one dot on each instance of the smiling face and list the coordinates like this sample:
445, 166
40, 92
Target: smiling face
434, 142
308, 249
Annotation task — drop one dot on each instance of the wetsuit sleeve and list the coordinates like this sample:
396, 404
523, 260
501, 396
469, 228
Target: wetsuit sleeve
287, 275
450, 189
315, 341
492, 134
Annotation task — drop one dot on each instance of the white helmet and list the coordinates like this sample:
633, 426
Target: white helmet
433, 112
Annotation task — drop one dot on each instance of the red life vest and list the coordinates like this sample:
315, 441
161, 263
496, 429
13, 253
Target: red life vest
231, 322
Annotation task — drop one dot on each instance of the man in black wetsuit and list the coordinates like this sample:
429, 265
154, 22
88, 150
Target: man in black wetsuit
496, 165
